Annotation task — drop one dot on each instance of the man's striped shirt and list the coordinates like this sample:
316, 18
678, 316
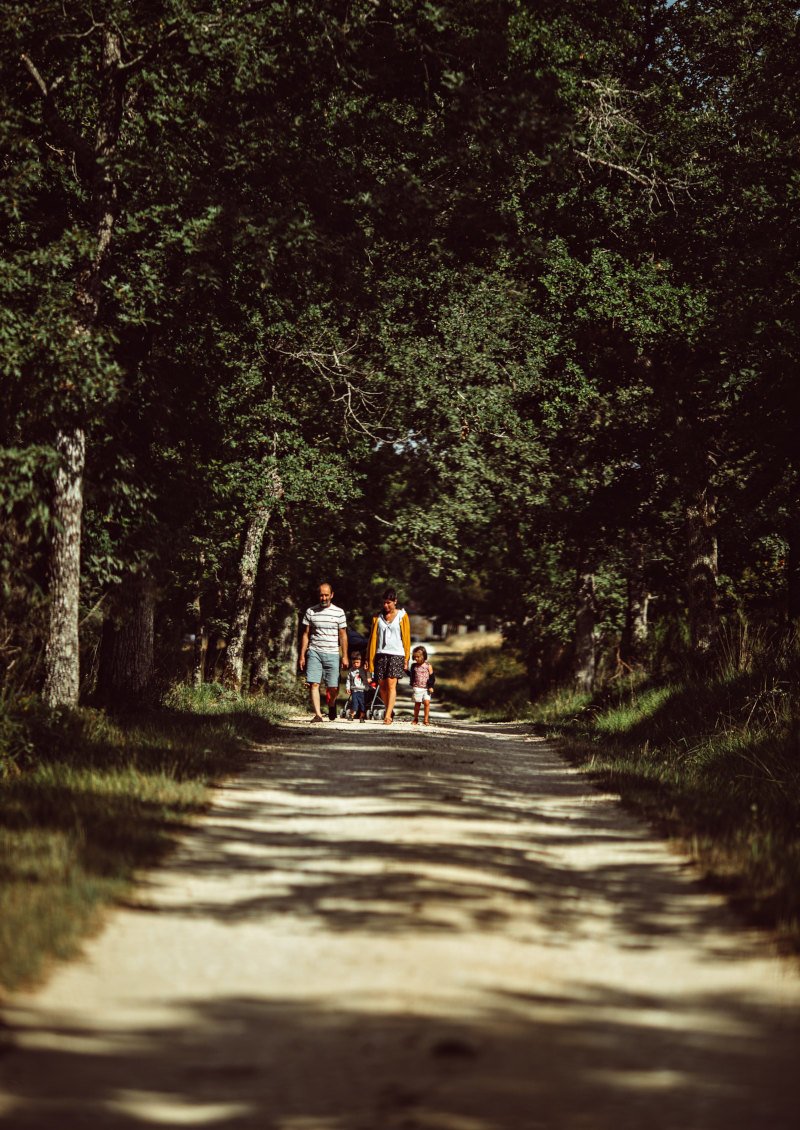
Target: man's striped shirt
323, 627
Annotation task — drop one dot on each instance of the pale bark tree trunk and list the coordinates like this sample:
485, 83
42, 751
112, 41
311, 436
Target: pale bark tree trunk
246, 587
585, 633
701, 534
127, 650
245, 595
62, 653
259, 641
634, 636
95, 165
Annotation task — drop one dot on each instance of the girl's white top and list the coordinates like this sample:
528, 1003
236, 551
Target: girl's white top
390, 642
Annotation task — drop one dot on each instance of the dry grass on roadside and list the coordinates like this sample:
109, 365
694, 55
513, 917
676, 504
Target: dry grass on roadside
86, 801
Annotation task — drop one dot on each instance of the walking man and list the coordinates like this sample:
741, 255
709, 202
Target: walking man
324, 633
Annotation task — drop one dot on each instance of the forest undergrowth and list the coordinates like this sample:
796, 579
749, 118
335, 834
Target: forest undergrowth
87, 799
710, 757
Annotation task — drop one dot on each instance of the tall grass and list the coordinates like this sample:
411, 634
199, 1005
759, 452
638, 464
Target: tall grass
713, 758
86, 800
484, 679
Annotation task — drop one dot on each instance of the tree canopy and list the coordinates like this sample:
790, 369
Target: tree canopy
495, 301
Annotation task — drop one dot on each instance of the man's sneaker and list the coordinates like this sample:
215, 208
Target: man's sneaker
332, 712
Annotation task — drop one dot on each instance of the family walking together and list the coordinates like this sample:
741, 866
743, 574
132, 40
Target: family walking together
324, 649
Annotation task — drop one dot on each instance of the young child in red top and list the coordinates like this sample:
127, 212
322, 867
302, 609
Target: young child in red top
422, 678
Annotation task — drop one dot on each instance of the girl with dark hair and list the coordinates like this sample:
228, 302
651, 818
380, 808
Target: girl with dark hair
389, 650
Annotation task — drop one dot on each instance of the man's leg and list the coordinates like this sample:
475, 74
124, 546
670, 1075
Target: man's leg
314, 676
331, 694
313, 690
330, 664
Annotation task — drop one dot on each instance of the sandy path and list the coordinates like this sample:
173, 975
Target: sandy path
384, 927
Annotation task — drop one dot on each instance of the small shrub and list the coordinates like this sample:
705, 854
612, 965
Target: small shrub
16, 744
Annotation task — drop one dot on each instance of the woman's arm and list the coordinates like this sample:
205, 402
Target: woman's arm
373, 643
405, 635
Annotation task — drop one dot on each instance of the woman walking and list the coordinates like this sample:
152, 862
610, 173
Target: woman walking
389, 650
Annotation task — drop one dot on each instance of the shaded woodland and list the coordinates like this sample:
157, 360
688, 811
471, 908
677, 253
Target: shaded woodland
497, 301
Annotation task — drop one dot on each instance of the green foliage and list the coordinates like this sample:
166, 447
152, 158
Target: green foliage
472, 297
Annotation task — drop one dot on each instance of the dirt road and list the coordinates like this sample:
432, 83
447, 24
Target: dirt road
384, 927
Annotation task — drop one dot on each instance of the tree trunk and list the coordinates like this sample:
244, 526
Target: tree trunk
585, 639
200, 641
199, 656
96, 167
62, 655
701, 534
634, 636
287, 645
127, 650
259, 641
246, 586
245, 595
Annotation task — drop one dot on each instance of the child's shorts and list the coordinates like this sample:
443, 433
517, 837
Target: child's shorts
421, 694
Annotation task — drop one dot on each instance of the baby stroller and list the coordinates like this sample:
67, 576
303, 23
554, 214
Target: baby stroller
375, 708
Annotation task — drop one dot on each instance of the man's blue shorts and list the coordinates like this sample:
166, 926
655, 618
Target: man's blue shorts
323, 667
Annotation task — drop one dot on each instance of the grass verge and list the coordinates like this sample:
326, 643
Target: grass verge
86, 800
480, 679
713, 762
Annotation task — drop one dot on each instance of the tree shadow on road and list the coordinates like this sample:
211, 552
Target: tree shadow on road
449, 837
519, 1061
406, 838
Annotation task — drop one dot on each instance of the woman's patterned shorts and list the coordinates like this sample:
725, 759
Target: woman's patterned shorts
388, 666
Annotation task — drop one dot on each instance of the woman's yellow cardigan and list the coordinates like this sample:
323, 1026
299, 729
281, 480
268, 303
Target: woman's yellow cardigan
405, 636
